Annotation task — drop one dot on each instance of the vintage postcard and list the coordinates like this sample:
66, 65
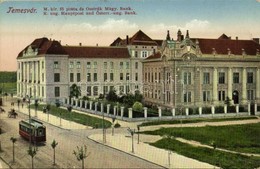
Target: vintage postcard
130, 84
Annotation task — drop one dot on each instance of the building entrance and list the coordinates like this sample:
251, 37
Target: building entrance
235, 97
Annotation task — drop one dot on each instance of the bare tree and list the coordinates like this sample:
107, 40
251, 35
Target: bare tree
81, 154
53, 145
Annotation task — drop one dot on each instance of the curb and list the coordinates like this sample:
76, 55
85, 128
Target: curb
6, 163
126, 152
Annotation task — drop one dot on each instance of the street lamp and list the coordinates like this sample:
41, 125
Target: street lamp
103, 127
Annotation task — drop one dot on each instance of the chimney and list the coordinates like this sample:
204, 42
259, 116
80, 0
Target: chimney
80, 44
236, 38
179, 35
97, 44
127, 39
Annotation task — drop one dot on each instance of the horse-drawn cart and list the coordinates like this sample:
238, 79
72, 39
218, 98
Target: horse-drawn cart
12, 114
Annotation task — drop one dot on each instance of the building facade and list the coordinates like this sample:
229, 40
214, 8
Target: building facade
47, 70
194, 72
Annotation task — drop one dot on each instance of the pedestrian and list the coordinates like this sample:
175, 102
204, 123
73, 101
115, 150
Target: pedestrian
22, 105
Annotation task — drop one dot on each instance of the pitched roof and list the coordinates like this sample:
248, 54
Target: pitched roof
222, 46
224, 36
139, 38
154, 56
96, 52
44, 46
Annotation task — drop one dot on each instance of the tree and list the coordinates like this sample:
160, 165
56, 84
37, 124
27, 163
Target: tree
74, 91
228, 101
112, 96
13, 141
53, 145
32, 152
138, 107
81, 154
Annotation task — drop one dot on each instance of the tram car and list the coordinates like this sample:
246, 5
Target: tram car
34, 129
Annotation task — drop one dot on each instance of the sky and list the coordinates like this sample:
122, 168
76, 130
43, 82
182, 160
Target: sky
203, 19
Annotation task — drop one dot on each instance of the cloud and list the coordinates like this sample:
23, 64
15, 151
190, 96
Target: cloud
195, 26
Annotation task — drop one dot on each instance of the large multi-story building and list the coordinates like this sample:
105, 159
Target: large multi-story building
201, 72
46, 69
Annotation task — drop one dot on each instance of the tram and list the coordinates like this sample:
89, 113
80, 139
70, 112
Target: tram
33, 129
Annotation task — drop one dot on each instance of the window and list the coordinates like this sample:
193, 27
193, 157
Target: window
111, 76
127, 76
111, 65
159, 78
187, 78
221, 95
236, 77
88, 90
78, 77
71, 77
56, 77
136, 54
127, 65
105, 90
95, 92
78, 65
187, 97
250, 94
121, 76
71, 65
88, 77
206, 96
206, 78
95, 77
95, 65
121, 65
105, 77
88, 65
168, 96
136, 65
221, 77
144, 54
250, 77
42, 91
56, 64
145, 77
57, 91
105, 65
136, 76
42, 77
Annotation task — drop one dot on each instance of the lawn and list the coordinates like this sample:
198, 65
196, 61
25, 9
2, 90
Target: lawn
241, 138
185, 121
9, 87
211, 156
76, 117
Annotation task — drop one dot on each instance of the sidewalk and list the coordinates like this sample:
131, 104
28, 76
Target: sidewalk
123, 142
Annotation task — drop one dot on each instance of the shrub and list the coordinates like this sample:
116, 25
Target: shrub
138, 107
117, 125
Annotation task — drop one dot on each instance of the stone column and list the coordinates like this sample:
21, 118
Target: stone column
187, 111
173, 112
145, 112
114, 110
108, 107
130, 113
237, 108
71, 101
122, 111
96, 103
80, 103
102, 108
258, 85
230, 82
215, 86
200, 111
225, 109
248, 108
90, 105
160, 111
212, 109
77, 103
255, 108
244, 81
